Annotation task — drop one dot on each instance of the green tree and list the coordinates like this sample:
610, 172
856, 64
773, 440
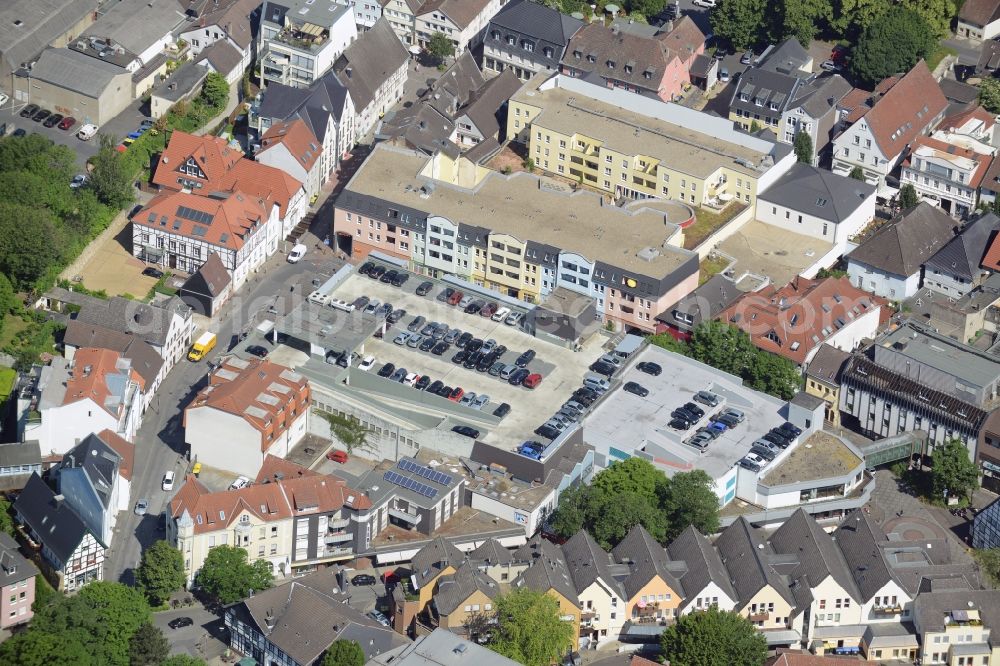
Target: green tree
8, 299
344, 653
347, 429
850, 18
440, 46
110, 180
774, 375
952, 471
571, 515
634, 475
891, 45
636, 17
611, 517
908, 197
645, 7
989, 94
160, 572
689, 500
38, 648
229, 577
215, 90
739, 22
803, 145
713, 637
721, 346
528, 628
800, 19
148, 646
6, 512
989, 563
669, 342
30, 240
182, 660
857, 173
44, 594
937, 14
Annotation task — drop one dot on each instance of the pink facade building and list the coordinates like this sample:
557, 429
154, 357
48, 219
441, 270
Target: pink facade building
17, 584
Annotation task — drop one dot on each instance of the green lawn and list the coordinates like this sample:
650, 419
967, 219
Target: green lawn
7, 378
939, 54
12, 325
711, 266
707, 221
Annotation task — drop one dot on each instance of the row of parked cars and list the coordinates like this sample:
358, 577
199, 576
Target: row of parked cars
47, 118
437, 387
767, 448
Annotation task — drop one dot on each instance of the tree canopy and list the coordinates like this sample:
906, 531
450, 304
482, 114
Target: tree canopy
148, 646
94, 627
228, 576
215, 90
528, 628
740, 22
160, 572
633, 492
952, 471
891, 45
344, 653
803, 145
440, 46
111, 179
989, 94
908, 197
713, 637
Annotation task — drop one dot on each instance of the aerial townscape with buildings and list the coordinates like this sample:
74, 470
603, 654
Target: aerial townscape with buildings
497, 332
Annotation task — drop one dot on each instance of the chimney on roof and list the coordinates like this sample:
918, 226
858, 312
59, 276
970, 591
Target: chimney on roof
269, 620
348, 71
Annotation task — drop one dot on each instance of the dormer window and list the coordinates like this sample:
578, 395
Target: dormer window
744, 97
628, 69
773, 106
548, 51
527, 46
591, 58
577, 54
610, 64
647, 74
496, 35
512, 40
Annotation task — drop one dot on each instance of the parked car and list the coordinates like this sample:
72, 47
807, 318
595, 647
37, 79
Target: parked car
427, 344
445, 391
53, 120
474, 307
680, 412
423, 288
168, 480
455, 298
422, 383
152, 272
678, 423
67, 122
337, 456
366, 268
402, 337
363, 580
700, 440
240, 482
388, 276
257, 350
795, 431
460, 356
636, 389
445, 295
435, 387
764, 453
399, 375
649, 368
694, 409
488, 310
463, 340
395, 315
776, 438
723, 72
468, 431
467, 398
546, 431
514, 318
707, 398
414, 340
602, 368
41, 115
366, 363
373, 306
440, 348
496, 369
179, 622
361, 302
518, 377
502, 411
28, 111
751, 464
734, 413
380, 618
400, 279
729, 421
524, 359
746, 58
456, 394
830, 66
387, 370
452, 336
532, 381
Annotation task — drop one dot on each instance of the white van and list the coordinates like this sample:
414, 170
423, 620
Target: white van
297, 253
87, 132
500, 314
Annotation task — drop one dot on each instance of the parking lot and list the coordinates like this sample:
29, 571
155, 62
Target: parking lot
627, 422
562, 369
119, 126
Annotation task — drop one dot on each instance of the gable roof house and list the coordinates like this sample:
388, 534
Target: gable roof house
818, 203
17, 584
655, 66
889, 263
652, 591
294, 624
292, 147
814, 110
879, 131
262, 408
436, 559
208, 288
94, 477
946, 174
765, 92
705, 580
373, 69
794, 320
27, 27
325, 107
957, 268
98, 390
226, 37
207, 165
702, 304
72, 550
548, 572
979, 20
460, 595
527, 37
882, 597
463, 21
602, 596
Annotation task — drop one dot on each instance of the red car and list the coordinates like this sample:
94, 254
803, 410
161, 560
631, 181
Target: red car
67, 122
456, 394
532, 380
455, 298
337, 456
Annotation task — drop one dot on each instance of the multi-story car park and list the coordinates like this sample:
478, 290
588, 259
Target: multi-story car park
634, 147
521, 235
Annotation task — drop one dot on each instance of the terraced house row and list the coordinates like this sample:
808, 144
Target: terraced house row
520, 235
853, 590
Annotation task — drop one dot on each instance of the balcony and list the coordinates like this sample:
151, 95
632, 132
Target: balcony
333, 551
335, 525
890, 609
759, 617
338, 537
306, 37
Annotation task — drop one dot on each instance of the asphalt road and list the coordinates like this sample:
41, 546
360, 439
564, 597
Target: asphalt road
204, 638
160, 440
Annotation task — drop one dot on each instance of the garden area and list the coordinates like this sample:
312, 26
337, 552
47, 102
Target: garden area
707, 222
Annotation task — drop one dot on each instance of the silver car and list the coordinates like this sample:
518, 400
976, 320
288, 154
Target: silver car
481, 401
414, 340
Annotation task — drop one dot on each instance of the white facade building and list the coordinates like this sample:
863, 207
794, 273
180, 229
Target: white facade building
299, 43
462, 21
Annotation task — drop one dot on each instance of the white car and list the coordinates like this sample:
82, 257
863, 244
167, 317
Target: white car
3, 98
79, 180
168, 480
297, 253
240, 482
367, 363
704, 3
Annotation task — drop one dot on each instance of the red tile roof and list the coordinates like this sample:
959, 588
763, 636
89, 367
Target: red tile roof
212, 166
122, 447
275, 468
89, 377
297, 138
235, 216
976, 112
905, 110
266, 395
792, 320
991, 260
949, 149
855, 103
266, 501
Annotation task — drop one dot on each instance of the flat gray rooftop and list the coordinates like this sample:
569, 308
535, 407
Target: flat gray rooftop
625, 424
944, 354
